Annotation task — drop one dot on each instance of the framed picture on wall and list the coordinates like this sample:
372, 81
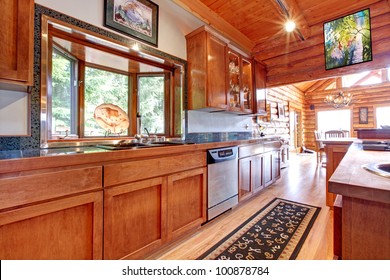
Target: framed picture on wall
347, 40
136, 18
363, 115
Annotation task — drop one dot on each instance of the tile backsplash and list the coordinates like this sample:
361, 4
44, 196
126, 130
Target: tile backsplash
205, 122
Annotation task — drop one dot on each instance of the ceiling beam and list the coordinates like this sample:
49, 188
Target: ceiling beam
327, 84
316, 86
204, 13
385, 75
290, 10
339, 82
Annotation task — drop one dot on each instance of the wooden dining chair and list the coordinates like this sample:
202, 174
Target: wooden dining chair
334, 134
346, 133
320, 147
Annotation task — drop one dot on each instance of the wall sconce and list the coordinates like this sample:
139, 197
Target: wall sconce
339, 100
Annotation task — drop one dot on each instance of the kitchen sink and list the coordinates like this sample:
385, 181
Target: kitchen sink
381, 169
136, 145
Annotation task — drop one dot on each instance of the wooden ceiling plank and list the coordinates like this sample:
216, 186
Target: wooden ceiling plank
207, 15
316, 86
327, 84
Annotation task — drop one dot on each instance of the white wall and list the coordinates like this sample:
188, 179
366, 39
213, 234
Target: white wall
174, 22
13, 113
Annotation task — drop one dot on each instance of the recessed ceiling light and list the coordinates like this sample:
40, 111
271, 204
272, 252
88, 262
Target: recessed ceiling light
289, 26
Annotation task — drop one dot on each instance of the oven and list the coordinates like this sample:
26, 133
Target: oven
222, 180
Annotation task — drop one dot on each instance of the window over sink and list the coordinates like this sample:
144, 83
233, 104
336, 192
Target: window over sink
81, 71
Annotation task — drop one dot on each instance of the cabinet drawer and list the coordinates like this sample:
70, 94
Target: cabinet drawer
21, 190
125, 172
272, 146
250, 150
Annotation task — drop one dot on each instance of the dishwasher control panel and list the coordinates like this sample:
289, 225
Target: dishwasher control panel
221, 154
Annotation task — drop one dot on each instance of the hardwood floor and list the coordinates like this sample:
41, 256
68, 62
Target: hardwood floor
303, 181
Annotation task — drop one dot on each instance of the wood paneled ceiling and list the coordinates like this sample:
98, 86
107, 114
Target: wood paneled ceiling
251, 23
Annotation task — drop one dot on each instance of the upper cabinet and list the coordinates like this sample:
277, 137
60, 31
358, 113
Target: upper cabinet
240, 82
206, 71
16, 42
219, 75
260, 105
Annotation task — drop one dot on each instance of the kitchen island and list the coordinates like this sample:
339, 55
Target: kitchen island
365, 205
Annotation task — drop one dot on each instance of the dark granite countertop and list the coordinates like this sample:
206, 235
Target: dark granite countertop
23, 154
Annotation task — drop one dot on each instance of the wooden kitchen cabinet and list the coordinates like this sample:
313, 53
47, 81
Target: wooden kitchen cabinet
135, 218
284, 156
63, 229
50, 215
206, 55
220, 76
17, 41
335, 152
187, 205
258, 167
240, 82
260, 92
271, 166
251, 179
150, 202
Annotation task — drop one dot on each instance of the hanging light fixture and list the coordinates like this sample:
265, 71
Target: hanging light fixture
339, 100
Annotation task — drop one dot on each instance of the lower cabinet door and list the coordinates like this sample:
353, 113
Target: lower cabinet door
68, 228
268, 170
276, 157
257, 173
245, 177
187, 203
134, 218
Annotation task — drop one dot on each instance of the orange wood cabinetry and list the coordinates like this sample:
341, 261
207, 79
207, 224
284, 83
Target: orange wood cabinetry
365, 229
334, 154
134, 218
251, 177
51, 215
239, 82
220, 76
260, 92
141, 216
206, 55
16, 41
187, 203
258, 166
272, 157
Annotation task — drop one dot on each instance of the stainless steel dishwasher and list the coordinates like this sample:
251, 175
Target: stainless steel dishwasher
222, 180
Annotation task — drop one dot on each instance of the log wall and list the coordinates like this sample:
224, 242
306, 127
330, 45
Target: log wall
366, 96
290, 98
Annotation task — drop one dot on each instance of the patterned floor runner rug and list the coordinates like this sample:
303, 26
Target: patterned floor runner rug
276, 232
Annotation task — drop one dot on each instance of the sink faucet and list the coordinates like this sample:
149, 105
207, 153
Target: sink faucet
147, 131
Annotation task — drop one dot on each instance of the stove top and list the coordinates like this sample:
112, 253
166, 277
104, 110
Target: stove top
372, 145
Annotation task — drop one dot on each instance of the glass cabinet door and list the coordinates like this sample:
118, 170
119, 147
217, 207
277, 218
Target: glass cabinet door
246, 85
240, 83
234, 85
